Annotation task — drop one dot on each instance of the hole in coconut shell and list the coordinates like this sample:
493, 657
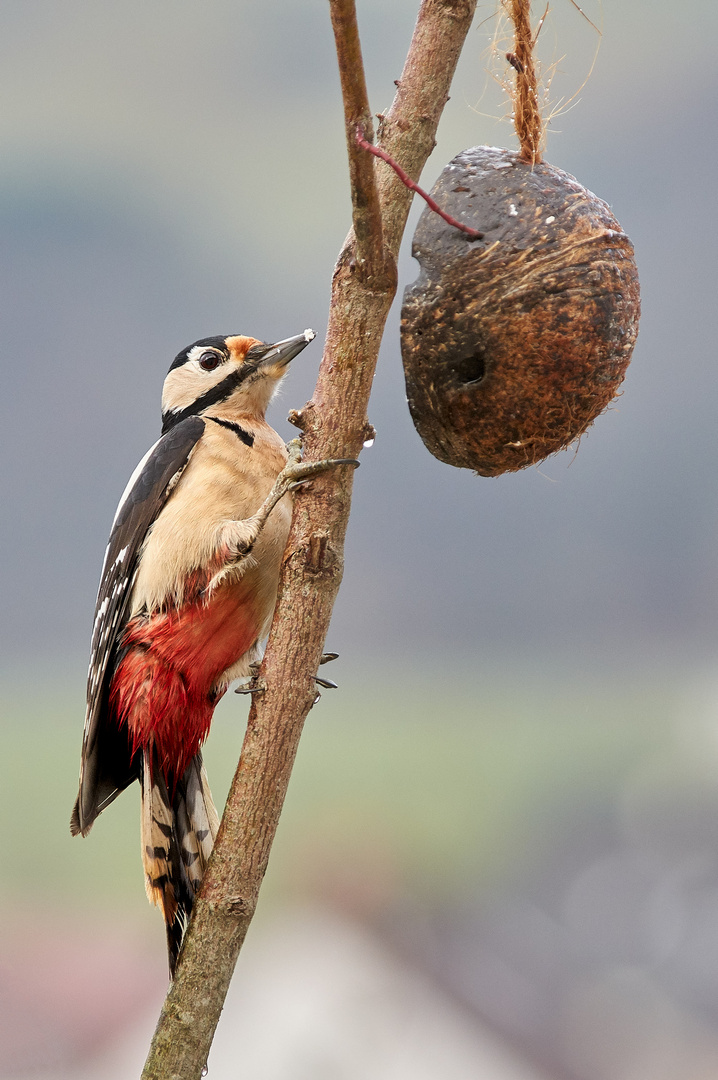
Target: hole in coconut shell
470, 369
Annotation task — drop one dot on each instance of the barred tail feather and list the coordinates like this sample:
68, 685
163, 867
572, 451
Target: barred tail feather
197, 820
177, 839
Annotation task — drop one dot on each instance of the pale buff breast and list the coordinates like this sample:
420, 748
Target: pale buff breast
225, 480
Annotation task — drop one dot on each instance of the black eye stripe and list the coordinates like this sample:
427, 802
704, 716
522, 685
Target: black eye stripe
215, 394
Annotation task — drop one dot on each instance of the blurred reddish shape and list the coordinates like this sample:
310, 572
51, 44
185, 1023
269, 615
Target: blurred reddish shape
67, 988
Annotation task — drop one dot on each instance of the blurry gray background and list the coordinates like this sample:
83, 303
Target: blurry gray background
524, 738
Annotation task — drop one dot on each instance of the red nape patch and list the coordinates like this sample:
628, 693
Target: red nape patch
162, 688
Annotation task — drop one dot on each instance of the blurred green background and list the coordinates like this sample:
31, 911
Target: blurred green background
526, 672
435, 782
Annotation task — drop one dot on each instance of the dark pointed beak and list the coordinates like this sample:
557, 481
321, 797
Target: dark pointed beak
282, 352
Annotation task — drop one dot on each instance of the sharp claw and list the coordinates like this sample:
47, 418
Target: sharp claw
249, 689
326, 684
314, 468
326, 657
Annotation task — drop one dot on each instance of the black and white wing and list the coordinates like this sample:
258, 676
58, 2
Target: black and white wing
105, 768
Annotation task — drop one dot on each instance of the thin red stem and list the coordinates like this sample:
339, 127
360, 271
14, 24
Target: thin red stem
408, 182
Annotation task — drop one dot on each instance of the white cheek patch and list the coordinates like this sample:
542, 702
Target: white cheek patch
186, 384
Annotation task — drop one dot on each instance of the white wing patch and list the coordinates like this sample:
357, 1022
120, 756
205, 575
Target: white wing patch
131, 483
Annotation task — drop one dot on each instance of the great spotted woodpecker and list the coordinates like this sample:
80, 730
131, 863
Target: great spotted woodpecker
188, 588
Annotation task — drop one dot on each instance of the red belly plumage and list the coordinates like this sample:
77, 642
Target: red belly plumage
163, 688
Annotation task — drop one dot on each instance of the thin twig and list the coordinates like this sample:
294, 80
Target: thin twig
335, 425
409, 183
365, 198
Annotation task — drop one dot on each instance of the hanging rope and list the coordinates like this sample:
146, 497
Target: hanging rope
527, 115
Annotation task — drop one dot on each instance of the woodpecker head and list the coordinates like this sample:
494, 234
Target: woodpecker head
237, 370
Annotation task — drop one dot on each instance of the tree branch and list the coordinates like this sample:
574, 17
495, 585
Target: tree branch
335, 425
366, 211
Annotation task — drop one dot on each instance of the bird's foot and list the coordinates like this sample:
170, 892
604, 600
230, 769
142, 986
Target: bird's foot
326, 658
249, 688
297, 472
326, 684
254, 685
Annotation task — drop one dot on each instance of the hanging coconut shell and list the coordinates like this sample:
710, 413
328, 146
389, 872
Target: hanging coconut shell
513, 344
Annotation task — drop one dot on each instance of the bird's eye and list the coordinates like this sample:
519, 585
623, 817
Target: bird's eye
209, 361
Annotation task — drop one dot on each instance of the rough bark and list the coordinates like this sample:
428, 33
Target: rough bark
335, 425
